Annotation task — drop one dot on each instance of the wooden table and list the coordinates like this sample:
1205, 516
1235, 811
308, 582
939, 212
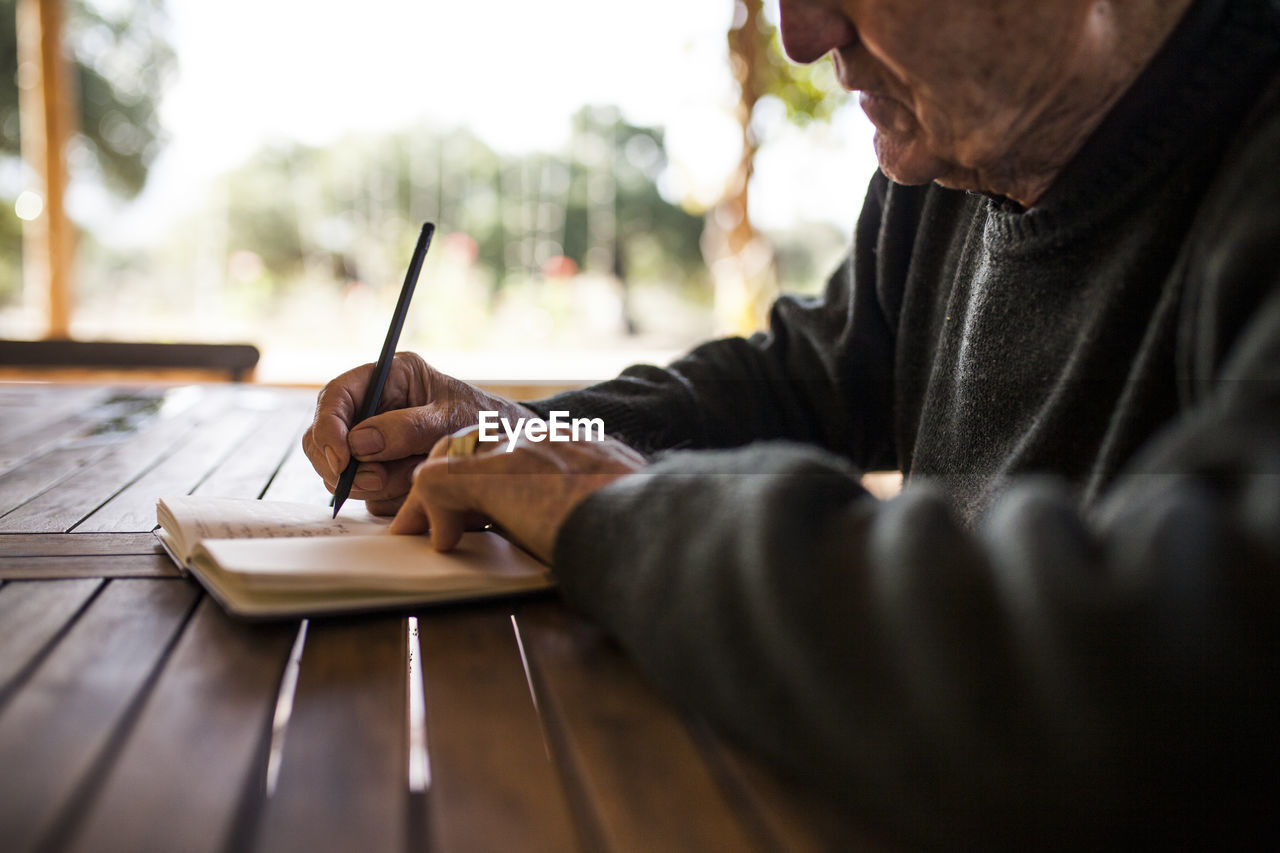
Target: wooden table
135, 715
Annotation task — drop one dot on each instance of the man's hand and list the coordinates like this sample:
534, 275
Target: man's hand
528, 492
419, 406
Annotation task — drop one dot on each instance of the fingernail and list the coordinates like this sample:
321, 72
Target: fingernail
367, 481
366, 441
332, 459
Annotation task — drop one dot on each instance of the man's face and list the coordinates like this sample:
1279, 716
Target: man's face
952, 86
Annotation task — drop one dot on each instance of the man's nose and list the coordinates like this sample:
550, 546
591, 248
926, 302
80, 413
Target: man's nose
810, 29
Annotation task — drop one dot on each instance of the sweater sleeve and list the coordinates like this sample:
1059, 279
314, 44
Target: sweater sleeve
822, 374
1054, 676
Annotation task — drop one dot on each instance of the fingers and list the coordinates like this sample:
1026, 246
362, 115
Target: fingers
382, 481
529, 492
419, 408
447, 527
399, 434
325, 441
443, 505
384, 508
436, 506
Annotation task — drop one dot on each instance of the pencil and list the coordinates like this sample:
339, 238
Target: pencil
373, 395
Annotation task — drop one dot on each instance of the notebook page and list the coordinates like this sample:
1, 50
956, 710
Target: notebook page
199, 518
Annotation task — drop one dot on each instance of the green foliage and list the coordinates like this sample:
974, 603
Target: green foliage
263, 211
349, 211
633, 157
809, 92
122, 67
121, 63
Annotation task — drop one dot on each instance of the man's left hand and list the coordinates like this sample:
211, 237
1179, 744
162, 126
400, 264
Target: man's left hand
528, 492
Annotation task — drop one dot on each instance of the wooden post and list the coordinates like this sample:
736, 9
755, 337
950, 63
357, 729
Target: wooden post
45, 112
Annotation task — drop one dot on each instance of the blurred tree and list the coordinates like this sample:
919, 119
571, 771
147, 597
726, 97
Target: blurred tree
349, 211
121, 63
616, 220
740, 258
632, 158
262, 214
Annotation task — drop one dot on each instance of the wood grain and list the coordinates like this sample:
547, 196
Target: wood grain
65, 430
76, 544
494, 786
627, 757
133, 508
61, 723
248, 471
105, 566
82, 555
195, 759
297, 481
60, 508
241, 440
31, 617
34, 414
39, 474
19, 399
344, 775
35, 438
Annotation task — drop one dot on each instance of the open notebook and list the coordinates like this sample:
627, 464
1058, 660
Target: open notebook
264, 559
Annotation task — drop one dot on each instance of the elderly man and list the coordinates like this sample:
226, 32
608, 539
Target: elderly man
1061, 319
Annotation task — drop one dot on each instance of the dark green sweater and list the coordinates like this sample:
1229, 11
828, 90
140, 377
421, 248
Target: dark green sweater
1066, 628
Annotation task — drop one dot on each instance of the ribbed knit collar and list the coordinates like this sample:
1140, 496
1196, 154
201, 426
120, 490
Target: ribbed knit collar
1200, 84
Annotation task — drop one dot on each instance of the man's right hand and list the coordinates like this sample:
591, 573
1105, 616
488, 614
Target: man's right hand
419, 406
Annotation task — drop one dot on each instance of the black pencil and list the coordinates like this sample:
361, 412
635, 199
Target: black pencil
373, 395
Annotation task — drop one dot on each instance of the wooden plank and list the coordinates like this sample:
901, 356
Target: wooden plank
629, 761
111, 413
344, 771
18, 399
244, 472
247, 472
197, 751
106, 566
63, 449
32, 406
297, 481
29, 409
39, 474
31, 617
133, 508
76, 544
231, 417
62, 507
61, 724
494, 786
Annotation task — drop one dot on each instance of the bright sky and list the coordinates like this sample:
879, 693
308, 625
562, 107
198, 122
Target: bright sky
252, 71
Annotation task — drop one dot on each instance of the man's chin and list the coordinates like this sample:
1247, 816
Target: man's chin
905, 161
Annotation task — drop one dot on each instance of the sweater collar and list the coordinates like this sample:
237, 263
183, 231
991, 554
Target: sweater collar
1204, 76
